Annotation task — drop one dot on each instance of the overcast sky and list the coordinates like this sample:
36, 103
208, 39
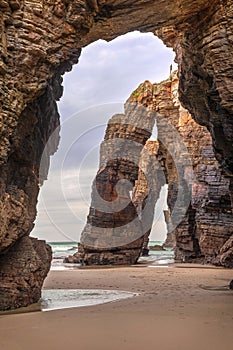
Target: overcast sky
97, 87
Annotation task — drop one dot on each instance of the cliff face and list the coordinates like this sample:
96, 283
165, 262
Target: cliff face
205, 74
40, 41
207, 225
21, 255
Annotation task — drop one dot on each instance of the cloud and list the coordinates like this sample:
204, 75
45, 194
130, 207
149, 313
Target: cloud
109, 71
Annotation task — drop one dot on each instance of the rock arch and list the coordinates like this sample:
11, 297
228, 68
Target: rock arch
205, 232
40, 41
202, 225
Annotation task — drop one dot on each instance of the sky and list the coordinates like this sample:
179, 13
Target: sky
96, 89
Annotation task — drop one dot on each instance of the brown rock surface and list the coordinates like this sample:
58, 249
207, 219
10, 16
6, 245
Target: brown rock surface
156, 247
206, 230
225, 257
39, 41
114, 232
23, 270
204, 55
147, 189
201, 221
19, 182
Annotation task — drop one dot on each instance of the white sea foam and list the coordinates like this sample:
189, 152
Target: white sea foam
55, 299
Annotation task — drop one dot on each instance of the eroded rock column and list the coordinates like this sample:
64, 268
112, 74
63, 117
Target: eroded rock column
147, 188
114, 231
205, 232
199, 202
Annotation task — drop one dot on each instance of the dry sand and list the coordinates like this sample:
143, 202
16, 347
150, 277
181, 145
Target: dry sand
172, 312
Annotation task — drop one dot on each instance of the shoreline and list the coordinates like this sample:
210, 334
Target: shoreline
171, 312
38, 307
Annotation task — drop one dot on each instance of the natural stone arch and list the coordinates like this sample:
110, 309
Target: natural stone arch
201, 219
205, 232
41, 40
37, 55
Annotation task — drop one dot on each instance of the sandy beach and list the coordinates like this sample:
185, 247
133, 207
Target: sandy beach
186, 307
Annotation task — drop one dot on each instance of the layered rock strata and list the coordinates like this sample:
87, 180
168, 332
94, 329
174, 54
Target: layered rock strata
20, 178
205, 73
200, 220
39, 41
23, 270
114, 231
147, 189
205, 232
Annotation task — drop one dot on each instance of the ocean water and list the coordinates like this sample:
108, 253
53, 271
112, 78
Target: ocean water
59, 299
60, 251
63, 249
56, 299
158, 258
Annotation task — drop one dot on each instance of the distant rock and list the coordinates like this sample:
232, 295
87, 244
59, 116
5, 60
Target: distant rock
72, 259
145, 251
171, 239
156, 247
231, 284
225, 257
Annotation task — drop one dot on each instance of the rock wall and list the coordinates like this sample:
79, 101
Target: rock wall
205, 73
208, 223
20, 178
41, 40
23, 270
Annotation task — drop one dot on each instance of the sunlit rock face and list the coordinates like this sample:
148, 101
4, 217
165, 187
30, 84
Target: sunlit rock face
40, 41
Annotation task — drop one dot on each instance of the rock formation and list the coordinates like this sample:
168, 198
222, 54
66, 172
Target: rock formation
206, 231
201, 219
147, 188
40, 41
114, 233
23, 270
19, 191
231, 285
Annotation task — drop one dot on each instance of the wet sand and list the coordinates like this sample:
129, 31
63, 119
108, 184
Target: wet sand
178, 308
